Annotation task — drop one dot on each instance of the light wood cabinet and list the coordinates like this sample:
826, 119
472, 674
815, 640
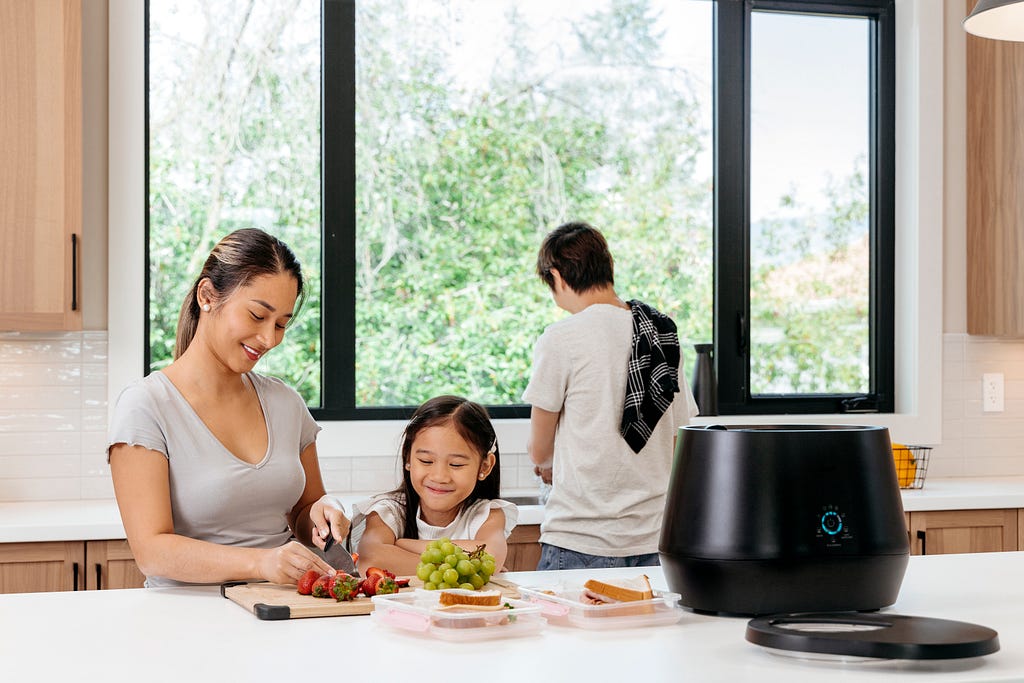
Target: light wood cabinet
40, 164
1020, 529
38, 567
995, 186
963, 531
66, 566
523, 548
110, 564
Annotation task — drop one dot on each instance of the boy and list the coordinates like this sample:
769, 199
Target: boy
607, 398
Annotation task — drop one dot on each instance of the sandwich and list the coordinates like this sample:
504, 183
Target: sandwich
616, 591
457, 599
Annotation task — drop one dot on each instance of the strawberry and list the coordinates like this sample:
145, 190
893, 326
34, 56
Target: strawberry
323, 587
403, 582
306, 582
379, 585
345, 587
375, 571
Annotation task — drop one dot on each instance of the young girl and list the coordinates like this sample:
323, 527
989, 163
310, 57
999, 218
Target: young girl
449, 488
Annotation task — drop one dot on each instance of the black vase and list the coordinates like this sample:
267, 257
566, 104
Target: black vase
705, 386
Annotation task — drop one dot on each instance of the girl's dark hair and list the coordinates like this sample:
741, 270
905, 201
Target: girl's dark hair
579, 252
473, 424
236, 260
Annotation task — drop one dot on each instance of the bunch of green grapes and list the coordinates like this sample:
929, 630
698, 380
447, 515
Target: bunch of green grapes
445, 565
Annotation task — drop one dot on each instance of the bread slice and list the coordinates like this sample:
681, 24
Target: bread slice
620, 590
459, 596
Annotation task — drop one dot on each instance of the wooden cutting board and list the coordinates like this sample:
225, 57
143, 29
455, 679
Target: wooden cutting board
273, 601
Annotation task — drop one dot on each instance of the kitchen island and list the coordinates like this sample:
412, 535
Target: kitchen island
193, 634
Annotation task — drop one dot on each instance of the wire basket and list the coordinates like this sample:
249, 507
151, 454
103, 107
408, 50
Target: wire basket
911, 465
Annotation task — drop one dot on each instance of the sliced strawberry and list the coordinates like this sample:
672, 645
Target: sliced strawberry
323, 587
403, 582
378, 585
374, 572
385, 585
305, 584
345, 587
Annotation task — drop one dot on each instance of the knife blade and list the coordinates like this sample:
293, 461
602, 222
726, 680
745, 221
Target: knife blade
339, 558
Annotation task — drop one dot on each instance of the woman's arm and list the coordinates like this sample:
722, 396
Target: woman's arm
142, 488
378, 548
316, 514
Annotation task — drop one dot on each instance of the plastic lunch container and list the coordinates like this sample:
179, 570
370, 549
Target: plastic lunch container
418, 612
561, 605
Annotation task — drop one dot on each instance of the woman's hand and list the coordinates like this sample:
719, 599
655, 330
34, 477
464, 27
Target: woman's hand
288, 563
328, 518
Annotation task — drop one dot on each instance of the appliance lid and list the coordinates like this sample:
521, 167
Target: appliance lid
886, 636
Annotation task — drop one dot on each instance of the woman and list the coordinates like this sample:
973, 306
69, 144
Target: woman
215, 466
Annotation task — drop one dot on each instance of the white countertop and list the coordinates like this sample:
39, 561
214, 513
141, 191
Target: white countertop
88, 520
193, 634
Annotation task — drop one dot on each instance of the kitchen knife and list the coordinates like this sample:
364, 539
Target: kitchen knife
338, 557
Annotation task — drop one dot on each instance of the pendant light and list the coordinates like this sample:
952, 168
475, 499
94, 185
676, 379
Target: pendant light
997, 19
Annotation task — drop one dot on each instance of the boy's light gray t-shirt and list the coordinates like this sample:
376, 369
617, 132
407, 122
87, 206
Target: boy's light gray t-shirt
215, 496
606, 499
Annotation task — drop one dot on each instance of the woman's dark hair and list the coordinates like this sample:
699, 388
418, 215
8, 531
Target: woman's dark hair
236, 260
579, 252
473, 424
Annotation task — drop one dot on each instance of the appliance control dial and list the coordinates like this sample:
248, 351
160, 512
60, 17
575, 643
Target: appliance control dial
831, 523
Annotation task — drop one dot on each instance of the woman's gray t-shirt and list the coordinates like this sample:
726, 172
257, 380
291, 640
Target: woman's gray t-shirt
215, 496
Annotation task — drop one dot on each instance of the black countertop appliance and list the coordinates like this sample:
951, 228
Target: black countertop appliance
766, 519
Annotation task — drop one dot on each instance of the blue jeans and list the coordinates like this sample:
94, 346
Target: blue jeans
553, 557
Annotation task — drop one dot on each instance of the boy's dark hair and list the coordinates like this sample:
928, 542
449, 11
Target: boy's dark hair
473, 424
579, 252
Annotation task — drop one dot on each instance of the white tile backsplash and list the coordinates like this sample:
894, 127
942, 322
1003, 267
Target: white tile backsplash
53, 421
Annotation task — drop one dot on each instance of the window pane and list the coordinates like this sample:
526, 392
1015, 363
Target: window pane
809, 241
483, 125
234, 126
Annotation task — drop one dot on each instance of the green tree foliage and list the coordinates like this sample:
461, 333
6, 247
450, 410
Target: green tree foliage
458, 180
459, 183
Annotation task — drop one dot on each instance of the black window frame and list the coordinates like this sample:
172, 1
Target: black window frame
731, 216
732, 210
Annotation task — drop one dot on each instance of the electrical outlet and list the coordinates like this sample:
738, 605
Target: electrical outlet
992, 392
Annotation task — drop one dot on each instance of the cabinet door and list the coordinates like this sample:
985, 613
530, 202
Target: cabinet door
963, 531
995, 194
523, 548
110, 564
39, 567
40, 164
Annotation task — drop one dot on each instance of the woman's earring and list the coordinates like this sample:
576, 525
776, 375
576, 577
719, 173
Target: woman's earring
206, 307
482, 477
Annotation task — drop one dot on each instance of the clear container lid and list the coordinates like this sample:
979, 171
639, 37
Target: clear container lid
562, 605
420, 612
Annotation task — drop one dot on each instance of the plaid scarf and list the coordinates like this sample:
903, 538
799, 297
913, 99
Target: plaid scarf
653, 377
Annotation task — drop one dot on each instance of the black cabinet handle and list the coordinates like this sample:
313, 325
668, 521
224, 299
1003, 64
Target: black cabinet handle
74, 576
921, 537
74, 272
99, 575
